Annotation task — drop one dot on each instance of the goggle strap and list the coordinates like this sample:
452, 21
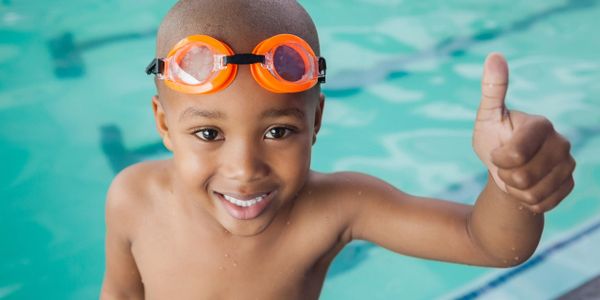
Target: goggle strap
243, 59
322, 70
156, 67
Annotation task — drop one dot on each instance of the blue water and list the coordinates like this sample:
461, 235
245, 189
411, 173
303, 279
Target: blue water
403, 87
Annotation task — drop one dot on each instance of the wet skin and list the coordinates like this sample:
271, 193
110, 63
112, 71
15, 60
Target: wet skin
172, 234
243, 142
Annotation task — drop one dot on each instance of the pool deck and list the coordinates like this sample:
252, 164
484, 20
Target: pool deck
588, 290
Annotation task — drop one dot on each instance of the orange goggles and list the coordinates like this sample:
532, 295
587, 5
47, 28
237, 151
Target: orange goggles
200, 64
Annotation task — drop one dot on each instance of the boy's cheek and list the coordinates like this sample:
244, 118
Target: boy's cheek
190, 168
294, 162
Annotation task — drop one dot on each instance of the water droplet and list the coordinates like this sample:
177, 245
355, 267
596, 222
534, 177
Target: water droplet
505, 261
235, 264
287, 223
359, 193
516, 258
520, 207
226, 255
221, 268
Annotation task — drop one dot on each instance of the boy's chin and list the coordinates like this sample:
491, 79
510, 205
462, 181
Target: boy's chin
246, 228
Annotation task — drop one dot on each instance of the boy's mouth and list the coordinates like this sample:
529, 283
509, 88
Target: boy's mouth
245, 207
245, 203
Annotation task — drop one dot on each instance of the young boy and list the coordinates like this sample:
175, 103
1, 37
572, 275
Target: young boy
237, 213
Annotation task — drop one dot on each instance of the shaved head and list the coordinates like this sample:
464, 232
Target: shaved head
242, 24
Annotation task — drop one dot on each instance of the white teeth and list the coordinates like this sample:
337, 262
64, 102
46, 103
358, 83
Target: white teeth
244, 203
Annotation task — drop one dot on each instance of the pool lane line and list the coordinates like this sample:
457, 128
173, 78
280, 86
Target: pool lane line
66, 53
532, 262
118, 156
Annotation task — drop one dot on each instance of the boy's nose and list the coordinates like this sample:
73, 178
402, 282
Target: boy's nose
244, 162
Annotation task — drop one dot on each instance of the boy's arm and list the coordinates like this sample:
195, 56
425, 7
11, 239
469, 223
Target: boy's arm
492, 233
531, 172
122, 279
530, 163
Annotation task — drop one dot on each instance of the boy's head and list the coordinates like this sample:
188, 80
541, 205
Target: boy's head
242, 153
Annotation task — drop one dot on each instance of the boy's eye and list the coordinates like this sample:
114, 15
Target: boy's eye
278, 132
208, 134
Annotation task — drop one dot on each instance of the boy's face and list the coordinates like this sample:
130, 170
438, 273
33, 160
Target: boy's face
242, 153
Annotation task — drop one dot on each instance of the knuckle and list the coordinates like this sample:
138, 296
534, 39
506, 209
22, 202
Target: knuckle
568, 145
564, 146
522, 179
531, 197
555, 204
547, 124
568, 168
573, 164
536, 208
544, 123
551, 205
570, 184
516, 156
505, 175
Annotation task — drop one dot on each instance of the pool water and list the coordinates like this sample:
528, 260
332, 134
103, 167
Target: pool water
402, 92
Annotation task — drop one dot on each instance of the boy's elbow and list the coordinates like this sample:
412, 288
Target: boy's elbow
510, 261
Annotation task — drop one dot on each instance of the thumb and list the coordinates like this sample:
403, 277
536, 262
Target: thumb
493, 89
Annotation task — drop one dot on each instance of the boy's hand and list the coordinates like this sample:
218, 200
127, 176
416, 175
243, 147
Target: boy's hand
526, 157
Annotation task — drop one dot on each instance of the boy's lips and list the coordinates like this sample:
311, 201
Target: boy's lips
245, 207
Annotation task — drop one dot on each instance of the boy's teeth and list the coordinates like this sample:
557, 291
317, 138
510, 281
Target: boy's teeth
244, 203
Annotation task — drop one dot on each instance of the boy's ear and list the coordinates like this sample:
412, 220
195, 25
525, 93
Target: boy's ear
318, 116
161, 122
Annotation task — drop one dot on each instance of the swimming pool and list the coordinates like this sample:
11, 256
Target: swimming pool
402, 91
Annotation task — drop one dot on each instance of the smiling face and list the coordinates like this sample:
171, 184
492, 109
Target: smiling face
243, 153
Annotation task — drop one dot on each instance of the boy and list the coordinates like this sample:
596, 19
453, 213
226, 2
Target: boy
238, 214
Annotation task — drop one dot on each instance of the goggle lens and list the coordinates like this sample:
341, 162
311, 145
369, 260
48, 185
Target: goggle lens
288, 63
194, 65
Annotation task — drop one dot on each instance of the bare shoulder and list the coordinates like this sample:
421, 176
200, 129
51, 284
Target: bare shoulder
354, 186
132, 191
342, 197
138, 180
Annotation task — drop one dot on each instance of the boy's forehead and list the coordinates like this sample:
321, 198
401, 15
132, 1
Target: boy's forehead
229, 106
241, 24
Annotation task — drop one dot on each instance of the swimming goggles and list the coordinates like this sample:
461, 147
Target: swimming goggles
200, 64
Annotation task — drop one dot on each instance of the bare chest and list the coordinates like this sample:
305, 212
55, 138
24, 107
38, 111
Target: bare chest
176, 263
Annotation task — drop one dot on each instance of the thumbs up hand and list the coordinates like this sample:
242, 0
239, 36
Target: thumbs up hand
526, 157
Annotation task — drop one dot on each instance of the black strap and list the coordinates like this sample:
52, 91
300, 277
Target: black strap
322, 70
156, 66
244, 59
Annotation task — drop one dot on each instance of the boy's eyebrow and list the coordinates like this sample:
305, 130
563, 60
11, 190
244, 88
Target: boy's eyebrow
196, 112
273, 113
